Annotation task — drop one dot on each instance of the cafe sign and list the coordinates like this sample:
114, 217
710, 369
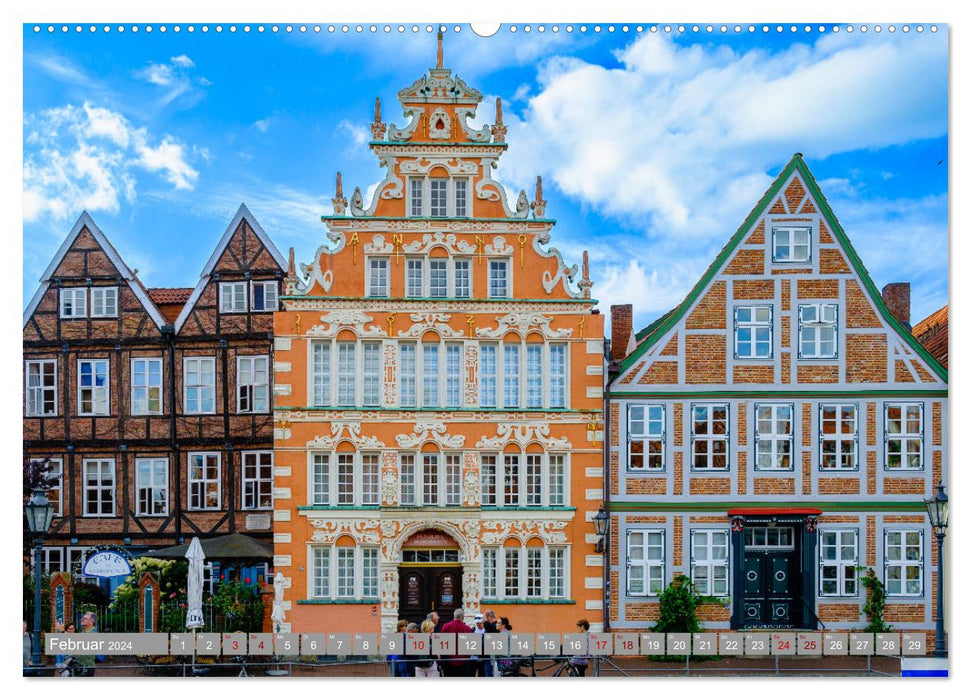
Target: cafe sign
106, 563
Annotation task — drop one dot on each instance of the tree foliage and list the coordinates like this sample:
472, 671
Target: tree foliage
876, 601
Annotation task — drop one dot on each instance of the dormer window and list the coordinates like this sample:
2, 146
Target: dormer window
791, 243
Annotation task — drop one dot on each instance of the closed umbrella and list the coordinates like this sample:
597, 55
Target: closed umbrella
196, 557
278, 615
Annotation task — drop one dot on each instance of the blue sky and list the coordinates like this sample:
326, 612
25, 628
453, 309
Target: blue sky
652, 147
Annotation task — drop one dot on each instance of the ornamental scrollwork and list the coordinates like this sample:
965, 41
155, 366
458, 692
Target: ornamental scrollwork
433, 430
524, 323
345, 430
336, 321
523, 434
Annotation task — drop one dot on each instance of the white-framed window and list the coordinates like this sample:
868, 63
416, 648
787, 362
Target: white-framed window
645, 437
903, 562
104, 302
346, 373
371, 376
416, 199
510, 373
74, 302
152, 486
903, 431
498, 279
199, 384
534, 375
462, 278
253, 384
40, 380
753, 332
99, 487
408, 374
429, 374
343, 572
415, 277
438, 278
791, 243
645, 562
709, 562
232, 297
438, 199
257, 480
839, 555
93, 384
321, 377
838, 437
146, 385
520, 572
709, 436
454, 357
523, 480
55, 489
52, 560
431, 479
817, 331
488, 375
345, 478
461, 197
379, 278
530, 375
205, 480
557, 375
773, 436
265, 296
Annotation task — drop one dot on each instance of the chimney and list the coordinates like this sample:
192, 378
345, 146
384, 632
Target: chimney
896, 296
621, 324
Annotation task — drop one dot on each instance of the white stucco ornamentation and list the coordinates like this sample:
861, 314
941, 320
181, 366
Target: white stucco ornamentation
470, 486
523, 434
430, 430
550, 531
336, 321
564, 274
524, 323
389, 479
390, 373
378, 246
439, 124
498, 247
389, 589
464, 114
329, 530
454, 166
439, 238
471, 374
405, 133
421, 323
341, 431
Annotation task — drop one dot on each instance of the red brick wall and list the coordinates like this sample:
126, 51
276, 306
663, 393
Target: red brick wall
773, 485
709, 312
704, 359
866, 358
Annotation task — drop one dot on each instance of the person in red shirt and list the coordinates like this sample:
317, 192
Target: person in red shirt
455, 665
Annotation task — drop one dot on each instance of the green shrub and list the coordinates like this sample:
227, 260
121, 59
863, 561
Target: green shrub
876, 600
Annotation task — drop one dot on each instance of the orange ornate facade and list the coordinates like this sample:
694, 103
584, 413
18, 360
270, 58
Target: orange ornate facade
438, 395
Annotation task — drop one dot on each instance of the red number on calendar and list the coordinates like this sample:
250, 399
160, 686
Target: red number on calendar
260, 645
627, 644
783, 644
235, 645
419, 645
601, 643
809, 644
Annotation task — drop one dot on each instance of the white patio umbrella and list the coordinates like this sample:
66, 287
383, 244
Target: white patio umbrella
197, 558
278, 616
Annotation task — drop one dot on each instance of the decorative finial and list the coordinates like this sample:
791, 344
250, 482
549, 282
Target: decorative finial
585, 283
290, 281
499, 130
378, 127
339, 200
440, 60
539, 204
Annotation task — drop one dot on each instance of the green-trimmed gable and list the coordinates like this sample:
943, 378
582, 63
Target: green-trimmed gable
649, 336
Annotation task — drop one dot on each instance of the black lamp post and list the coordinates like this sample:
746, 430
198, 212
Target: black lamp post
39, 512
937, 514
600, 527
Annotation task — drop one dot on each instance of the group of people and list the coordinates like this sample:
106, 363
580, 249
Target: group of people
82, 664
455, 665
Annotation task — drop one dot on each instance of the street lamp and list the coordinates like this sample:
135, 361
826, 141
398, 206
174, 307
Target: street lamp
937, 514
600, 527
39, 512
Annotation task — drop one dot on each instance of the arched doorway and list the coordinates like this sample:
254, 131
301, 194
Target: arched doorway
430, 576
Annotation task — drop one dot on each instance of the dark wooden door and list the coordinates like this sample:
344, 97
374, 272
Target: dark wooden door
424, 589
772, 587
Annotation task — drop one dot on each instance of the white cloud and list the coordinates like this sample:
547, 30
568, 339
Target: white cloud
173, 75
262, 125
359, 134
183, 61
89, 157
681, 140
